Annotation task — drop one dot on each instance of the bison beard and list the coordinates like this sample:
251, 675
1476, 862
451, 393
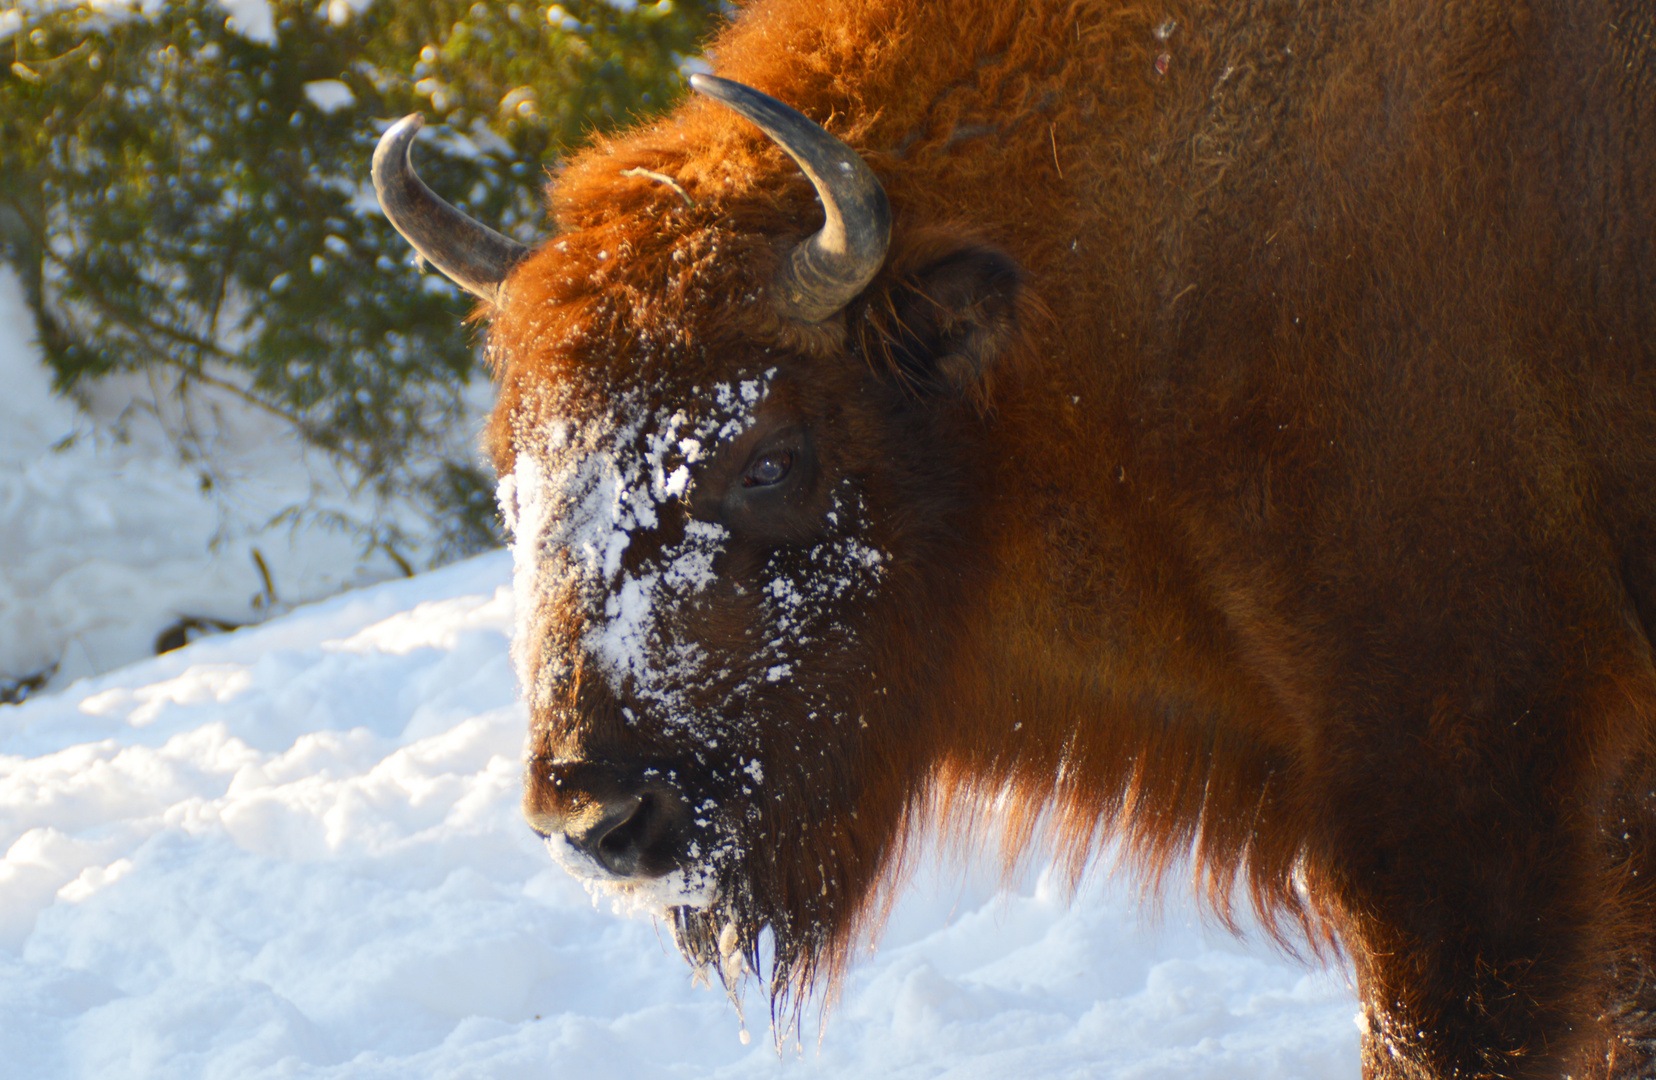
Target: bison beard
1226, 429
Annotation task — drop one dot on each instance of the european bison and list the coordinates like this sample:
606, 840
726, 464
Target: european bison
1228, 428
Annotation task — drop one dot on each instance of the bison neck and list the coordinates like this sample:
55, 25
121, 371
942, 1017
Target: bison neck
1289, 476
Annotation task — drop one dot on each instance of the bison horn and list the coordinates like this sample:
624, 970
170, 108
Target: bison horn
469, 253
831, 267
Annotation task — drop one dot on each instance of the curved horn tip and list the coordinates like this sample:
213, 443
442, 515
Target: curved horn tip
828, 269
398, 137
468, 253
411, 123
707, 84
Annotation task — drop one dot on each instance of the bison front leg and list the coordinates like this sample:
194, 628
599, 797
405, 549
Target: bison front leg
1485, 917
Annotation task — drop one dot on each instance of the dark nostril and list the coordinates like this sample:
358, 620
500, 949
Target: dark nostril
636, 836
632, 822
622, 845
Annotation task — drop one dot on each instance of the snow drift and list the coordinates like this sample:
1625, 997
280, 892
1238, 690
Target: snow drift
295, 851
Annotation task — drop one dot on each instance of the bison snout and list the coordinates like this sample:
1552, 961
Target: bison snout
630, 826
623, 838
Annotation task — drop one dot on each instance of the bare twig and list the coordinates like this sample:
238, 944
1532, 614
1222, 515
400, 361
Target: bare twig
662, 178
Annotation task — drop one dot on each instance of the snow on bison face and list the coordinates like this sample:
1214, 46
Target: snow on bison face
740, 476
692, 576
701, 568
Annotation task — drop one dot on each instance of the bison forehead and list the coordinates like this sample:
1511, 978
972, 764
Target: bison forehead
582, 488
588, 489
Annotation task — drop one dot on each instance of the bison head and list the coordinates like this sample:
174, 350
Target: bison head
741, 469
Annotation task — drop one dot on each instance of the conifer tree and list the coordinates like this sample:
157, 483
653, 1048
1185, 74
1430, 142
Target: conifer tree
179, 196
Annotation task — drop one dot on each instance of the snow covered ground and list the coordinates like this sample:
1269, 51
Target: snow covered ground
295, 851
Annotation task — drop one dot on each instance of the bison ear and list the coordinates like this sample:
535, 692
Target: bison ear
945, 324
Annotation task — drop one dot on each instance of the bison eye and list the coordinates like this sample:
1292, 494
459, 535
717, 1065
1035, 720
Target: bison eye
769, 495
770, 469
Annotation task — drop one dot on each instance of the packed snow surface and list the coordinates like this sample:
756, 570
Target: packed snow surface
295, 851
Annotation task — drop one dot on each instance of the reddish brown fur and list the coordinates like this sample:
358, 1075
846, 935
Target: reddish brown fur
1305, 525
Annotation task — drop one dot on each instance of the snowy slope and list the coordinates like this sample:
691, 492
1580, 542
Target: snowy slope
107, 539
295, 851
